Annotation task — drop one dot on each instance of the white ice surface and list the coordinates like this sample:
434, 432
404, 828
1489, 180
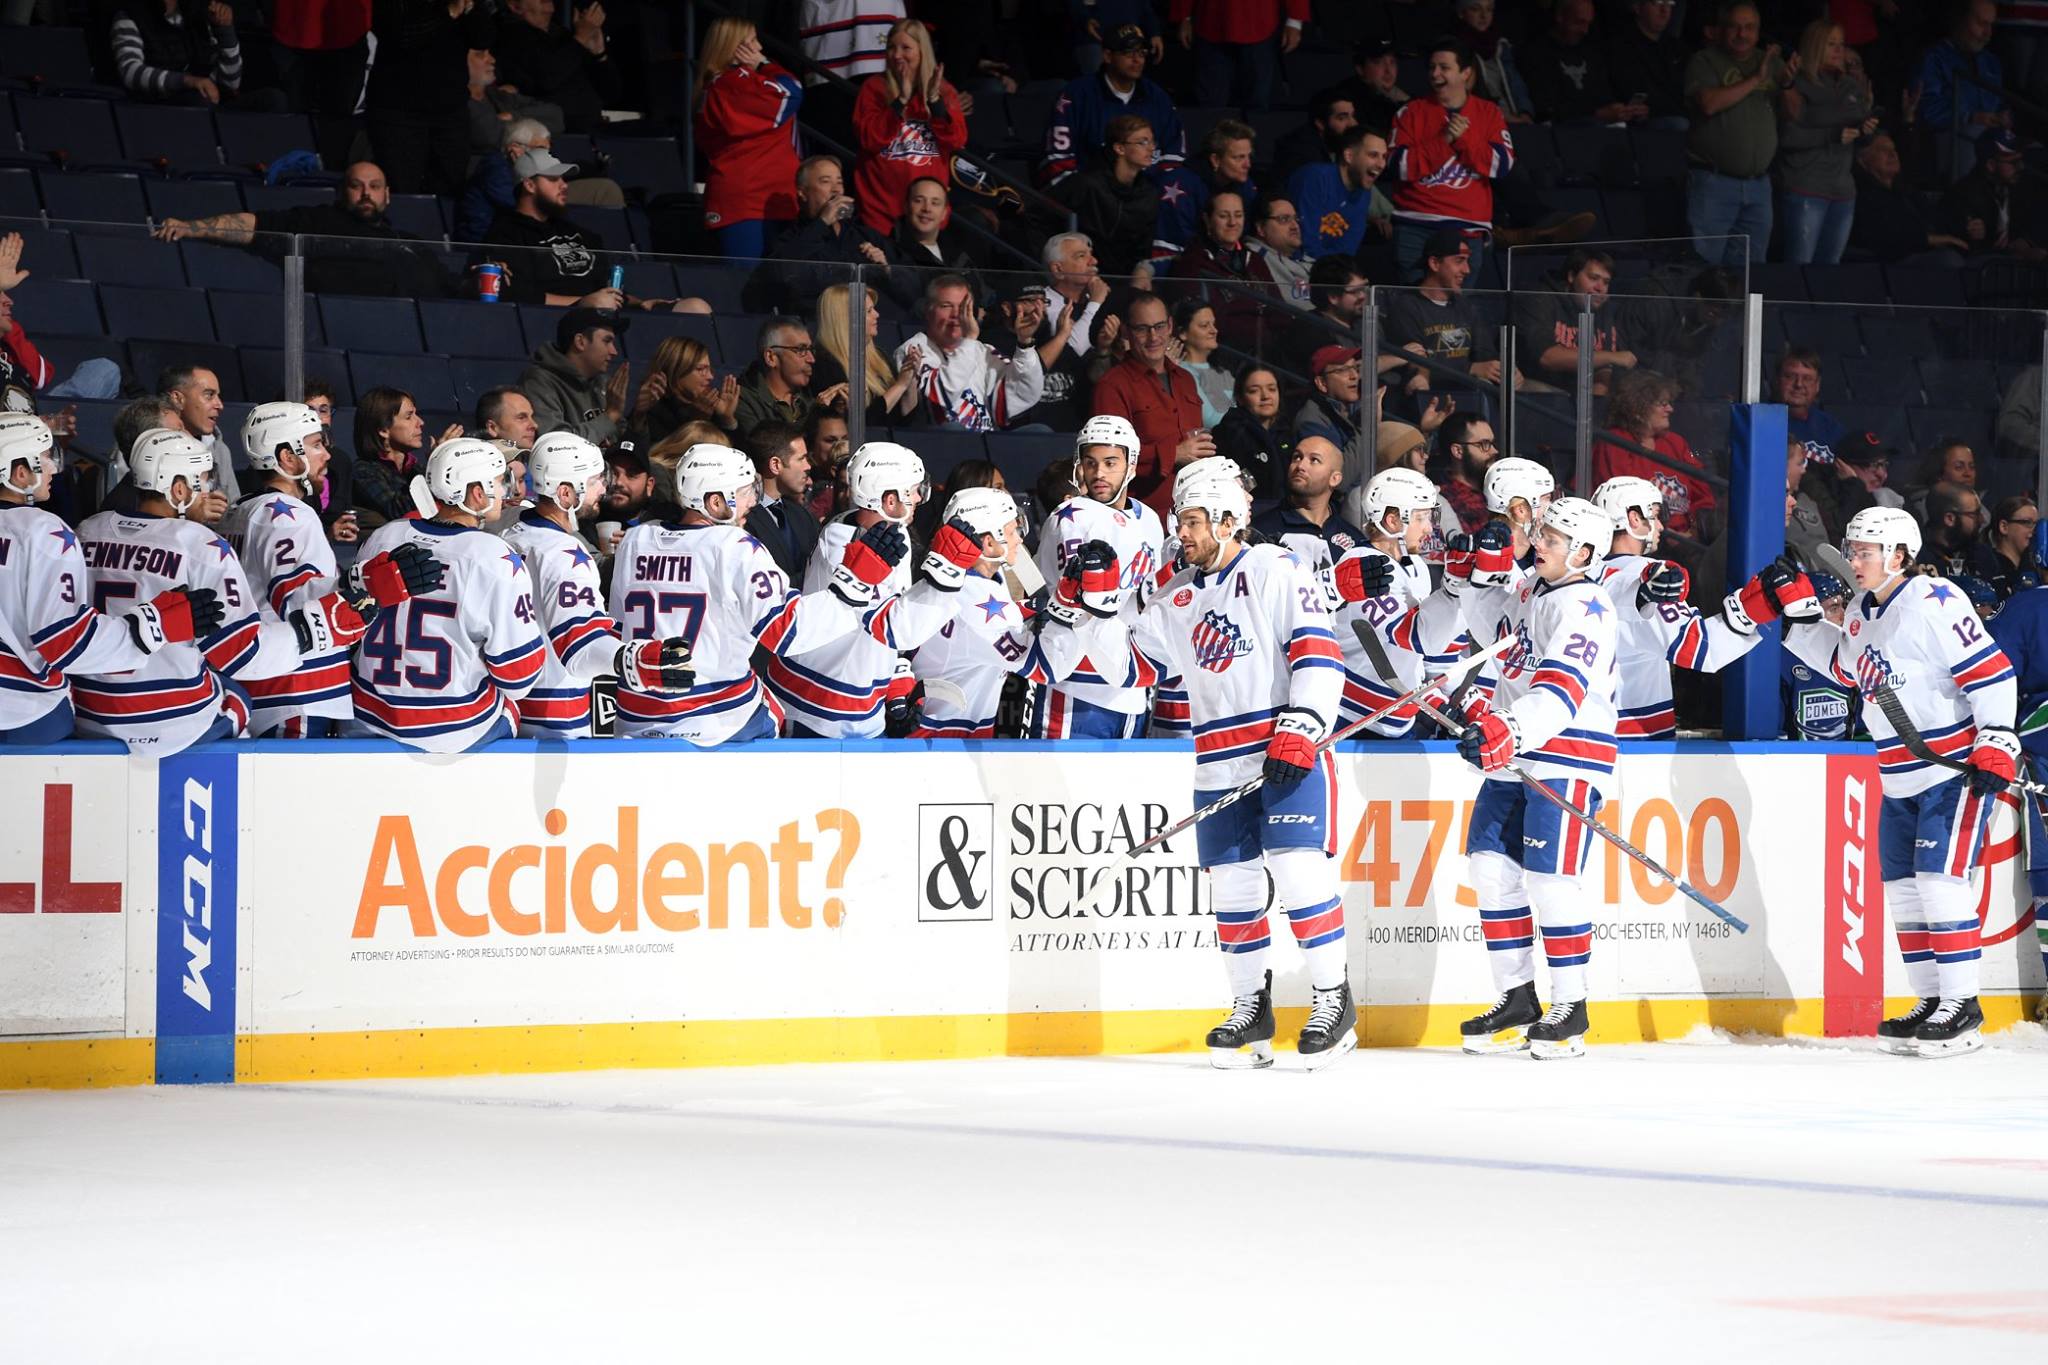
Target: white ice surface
1707, 1200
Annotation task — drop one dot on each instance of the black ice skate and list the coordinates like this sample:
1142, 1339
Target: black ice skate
1245, 1039
1561, 1032
1331, 1030
1895, 1035
1505, 1027
1954, 1027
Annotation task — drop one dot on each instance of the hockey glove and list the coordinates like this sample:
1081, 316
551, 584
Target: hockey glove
1091, 584
1489, 742
327, 625
657, 665
1291, 752
1667, 583
1995, 762
1484, 560
868, 562
955, 550
1361, 578
177, 617
1775, 591
392, 577
903, 709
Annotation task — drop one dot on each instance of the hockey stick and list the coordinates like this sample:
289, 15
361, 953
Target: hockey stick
1380, 661
1456, 673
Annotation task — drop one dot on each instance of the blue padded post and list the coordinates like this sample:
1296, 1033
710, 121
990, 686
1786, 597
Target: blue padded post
1756, 536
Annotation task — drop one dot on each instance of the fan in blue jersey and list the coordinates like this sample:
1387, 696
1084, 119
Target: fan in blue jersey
1074, 134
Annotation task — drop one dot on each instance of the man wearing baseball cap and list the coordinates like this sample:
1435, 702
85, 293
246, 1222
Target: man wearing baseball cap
1081, 115
566, 381
547, 258
1988, 208
1333, 413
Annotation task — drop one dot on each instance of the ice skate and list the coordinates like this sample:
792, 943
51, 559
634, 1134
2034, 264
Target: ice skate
1505, 1027
1331, 1030
1561, 1032
1244, 1041
1896, 1034
1955, 1027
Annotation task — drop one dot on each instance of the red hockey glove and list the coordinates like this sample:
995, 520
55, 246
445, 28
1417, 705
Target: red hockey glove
1361, 578
1665, 583
327, 625
1995, 762
1489, 742
1291, 752
955, 549
395, 575
1090, 583
1775, 591
177, 617
657, 665
868, 562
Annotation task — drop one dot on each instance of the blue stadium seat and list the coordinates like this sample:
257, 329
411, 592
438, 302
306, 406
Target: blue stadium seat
47, 251
1659, 153
463, 327
944, 449
718, 284
157, 313
94, 198
66, 354
1590, 154
1928, 288
654, 164
257, 319
49, 305
151, 358
1704, 424
226, 267
18, 197
419, 215
1930, 426
1030, 111
56, 55
736, 338
128, 258
191, 198
425, 377
263, 370
988, 127
248, 139
1879, 377
574, 148
1858, 283
271, 198
650, 280
1888, 420
473, 376
1903, 333
1197, 121
649, 330
1579, 199
1830, 331
182, 137
96, 423
538, 323
1960, 383
1536, 151
1774, 281
388, 326
76, 132
605, 224
1023, 456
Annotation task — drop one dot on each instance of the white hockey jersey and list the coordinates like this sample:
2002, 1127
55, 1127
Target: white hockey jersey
839, 689
583, 641
1654, 637
285, 553
1424, 634
48, 627
972, 384
173, 698
1249, 640
437, 671
1926, 644
1557, 681
718, 588
1138, 537
988, 639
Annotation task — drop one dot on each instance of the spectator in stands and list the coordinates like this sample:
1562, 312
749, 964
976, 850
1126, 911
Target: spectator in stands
388, 262
321, 51
925, 240
492, 106
910, 125
1646, 55
745, 111
963, 380
1954, 517
777, 386
890, 392
2004, 554
1799, 390
780, 519
1340, 201
549, 259
629, 490
1252, 433
1949, 461
1547, 324
1063, 402
1891, 224
1082, 115
826, 437
1568, 74
1840, 488
2017, 451
504, 414
1076, 282
1333, 411
1447, 151
182, 50
1185, 191
1158, 398
1307, 519
1822, 116
21, 365
493, 187
192, 397
571, 67
417, 97
1436, 320
335, 496
1733, 88
1277, 245
1950, 103
1375, 97
1338, 291
1641, 413
1245, 295
1237, 46
1115, 203
566, 381
1869, 459
1195, 338
1466, 446
1990, 208
145, 414
390, 437
682, 387
1330, 115
1500, 75
825, 240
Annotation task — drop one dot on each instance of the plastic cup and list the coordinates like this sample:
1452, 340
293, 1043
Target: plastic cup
490, 279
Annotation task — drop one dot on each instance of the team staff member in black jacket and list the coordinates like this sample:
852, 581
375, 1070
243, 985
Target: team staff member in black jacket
1114, 202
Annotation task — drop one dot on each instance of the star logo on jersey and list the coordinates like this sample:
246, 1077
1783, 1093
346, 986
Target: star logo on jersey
1067, 513
512, 558
993, 608
577, 556
1062, 104
1595, 607
223, 549
1217, 641
282, 510
1941, 592
1172, 192
752, 543
70, 541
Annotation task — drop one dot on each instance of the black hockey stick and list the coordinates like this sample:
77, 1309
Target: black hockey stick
1378, 654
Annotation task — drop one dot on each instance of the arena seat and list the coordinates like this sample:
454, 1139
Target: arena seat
463, 327
191, 198
128, 258
425, 377
56, 55
159, 312
76, 132
151, 358
89, 197
225, 267
369, 324
257, 319
183, 138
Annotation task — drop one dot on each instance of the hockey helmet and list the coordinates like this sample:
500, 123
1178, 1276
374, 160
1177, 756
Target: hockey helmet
270, 425
453, 468
1580, 523
1220, 495
1397, 490
25, 439
1626, 493
987, 510
160, 457
1109, 430
564, 457
1884, 527
709, 468
1513, 477
880, 468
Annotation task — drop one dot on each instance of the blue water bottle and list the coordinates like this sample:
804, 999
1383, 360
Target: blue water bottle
619, 277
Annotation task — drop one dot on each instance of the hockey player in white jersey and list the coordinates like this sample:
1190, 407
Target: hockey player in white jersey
186, 693
48, 624
1517, 492
1386, 585
285, 553
443, 671
1170, 694
842, 689
1551, 713
1919, 637
706, 581
963, 667
1089, 705
567, 476
1249, 629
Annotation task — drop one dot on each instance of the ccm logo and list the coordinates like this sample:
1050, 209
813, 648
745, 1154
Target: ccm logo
1855, 864
196, 892
61, 895
1290, 819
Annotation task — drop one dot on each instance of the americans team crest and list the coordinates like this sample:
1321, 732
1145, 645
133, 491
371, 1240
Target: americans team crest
1218, 641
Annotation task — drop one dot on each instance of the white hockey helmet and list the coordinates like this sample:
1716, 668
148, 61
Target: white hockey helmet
1110, 430
987, 510
563, 457
1212, 467
270, 425
1513, 477
1397, 490
1626, 493
708, 468
25, 438
160, 457
880, 468
1580, 523
1220, 495
1885, 527
453, 468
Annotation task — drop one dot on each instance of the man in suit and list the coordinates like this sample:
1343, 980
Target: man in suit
782, 518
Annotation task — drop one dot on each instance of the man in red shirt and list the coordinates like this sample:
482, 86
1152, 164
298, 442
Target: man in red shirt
1158, 398
1235, 47
1448, 150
